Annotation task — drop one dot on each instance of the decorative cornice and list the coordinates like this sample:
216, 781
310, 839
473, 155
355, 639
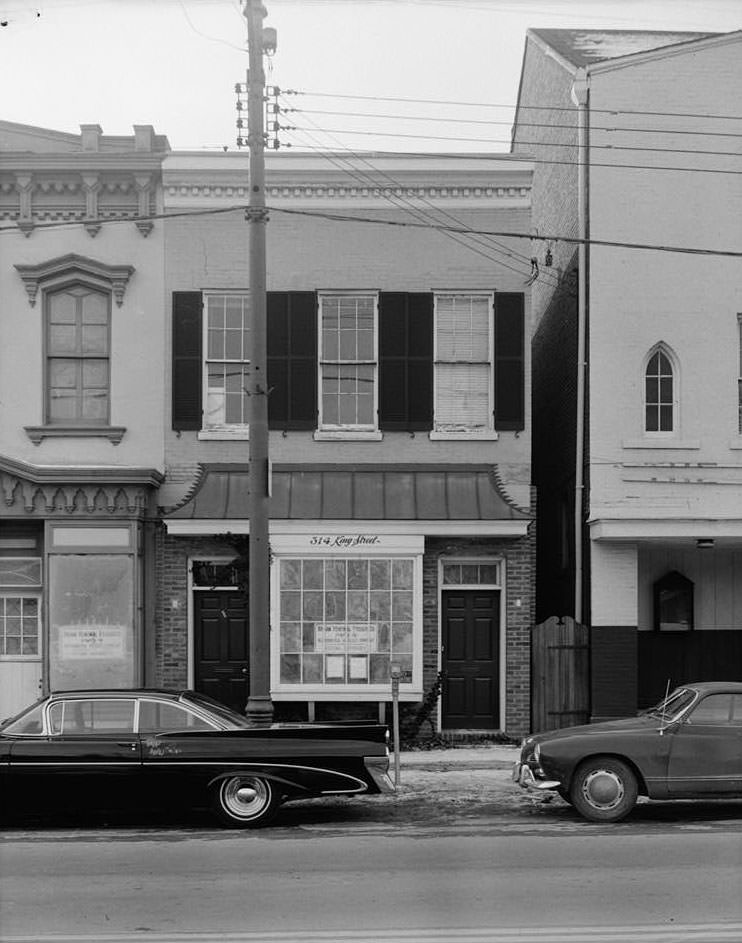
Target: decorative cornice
76, 499
81, 474
112, 277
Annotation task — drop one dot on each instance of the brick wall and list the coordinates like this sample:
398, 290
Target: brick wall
519, 572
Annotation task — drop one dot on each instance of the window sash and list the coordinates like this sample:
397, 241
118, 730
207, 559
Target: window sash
20, 627
78, 356
348, 361
659, 394
463, 369
345, 621
226, 360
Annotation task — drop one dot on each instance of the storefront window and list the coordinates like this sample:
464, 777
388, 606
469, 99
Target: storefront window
91, 633
345, 621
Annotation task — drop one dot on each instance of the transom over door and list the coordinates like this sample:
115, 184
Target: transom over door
221, 647
471, 662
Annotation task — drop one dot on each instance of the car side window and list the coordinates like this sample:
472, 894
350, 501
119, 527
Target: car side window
714, 710
92, 717
159, 717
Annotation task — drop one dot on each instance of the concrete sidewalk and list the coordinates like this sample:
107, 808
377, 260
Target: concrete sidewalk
480, 756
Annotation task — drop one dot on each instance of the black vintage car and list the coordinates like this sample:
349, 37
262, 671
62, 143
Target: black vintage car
178, 749
688, 747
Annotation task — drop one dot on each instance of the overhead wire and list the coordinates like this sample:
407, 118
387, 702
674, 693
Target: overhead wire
519, 107
337, 217
407, 206
591, 146
525, 157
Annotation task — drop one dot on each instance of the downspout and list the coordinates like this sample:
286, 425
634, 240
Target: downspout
581, 97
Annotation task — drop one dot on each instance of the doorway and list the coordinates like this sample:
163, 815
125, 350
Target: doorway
221, 646
471, 659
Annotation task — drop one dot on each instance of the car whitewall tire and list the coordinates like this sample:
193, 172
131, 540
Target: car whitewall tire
245, 801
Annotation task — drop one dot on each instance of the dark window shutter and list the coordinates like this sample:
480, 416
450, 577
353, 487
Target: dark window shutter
405, 361
292, 359
187, 360
509, 361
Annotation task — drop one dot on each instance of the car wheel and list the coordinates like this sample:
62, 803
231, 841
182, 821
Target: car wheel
604, 789
245, 801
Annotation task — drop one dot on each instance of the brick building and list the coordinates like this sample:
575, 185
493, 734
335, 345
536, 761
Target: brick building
399, 371
636, 453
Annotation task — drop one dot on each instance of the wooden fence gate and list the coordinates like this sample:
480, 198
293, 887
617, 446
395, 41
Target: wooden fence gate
560, 674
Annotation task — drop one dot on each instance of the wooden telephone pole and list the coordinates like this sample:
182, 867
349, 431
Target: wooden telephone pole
259, 707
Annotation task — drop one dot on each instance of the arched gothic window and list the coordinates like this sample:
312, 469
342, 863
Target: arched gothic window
659, 393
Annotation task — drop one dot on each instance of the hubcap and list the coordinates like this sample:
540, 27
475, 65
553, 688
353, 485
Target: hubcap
245, 798
603, 789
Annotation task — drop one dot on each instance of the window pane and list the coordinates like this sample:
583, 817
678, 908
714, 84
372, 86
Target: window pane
462, 328
62, 308
345, 636
155, 716
63, 374
91, 635
95, 339
714, 709
62, 339
665, 418
20, 571
652, 419
94, 308
462, 394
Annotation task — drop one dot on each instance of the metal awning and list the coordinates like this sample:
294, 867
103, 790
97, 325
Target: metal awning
403, 498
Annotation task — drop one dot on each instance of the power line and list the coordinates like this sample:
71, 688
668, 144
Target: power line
418, 212
532, 160
520, 107
592, 145
343, 218
339, 217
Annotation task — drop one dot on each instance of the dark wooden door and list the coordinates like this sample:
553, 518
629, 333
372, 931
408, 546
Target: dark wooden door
560, 666
471, 648
221, 647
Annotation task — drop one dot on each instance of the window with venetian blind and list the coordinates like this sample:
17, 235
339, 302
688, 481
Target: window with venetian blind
463, 363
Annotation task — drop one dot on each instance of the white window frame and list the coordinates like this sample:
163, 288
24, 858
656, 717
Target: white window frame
330, 546
662, 348
223, 430
24, 594
462, 430
77, 289
326, 430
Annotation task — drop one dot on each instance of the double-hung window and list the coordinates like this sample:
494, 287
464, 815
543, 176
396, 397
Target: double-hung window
463, 380
348, 366
226, 361
78, 356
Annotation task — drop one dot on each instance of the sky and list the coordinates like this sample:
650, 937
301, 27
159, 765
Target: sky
174, 63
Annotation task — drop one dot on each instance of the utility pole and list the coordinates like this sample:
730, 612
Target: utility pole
259, 708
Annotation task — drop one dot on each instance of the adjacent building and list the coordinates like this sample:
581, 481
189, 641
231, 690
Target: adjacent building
637, 350
81, 405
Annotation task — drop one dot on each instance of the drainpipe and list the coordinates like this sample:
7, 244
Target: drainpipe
580, 96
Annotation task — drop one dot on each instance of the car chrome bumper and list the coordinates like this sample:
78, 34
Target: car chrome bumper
377, 768
523, 776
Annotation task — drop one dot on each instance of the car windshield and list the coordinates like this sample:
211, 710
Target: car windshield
673, 706
224, 713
